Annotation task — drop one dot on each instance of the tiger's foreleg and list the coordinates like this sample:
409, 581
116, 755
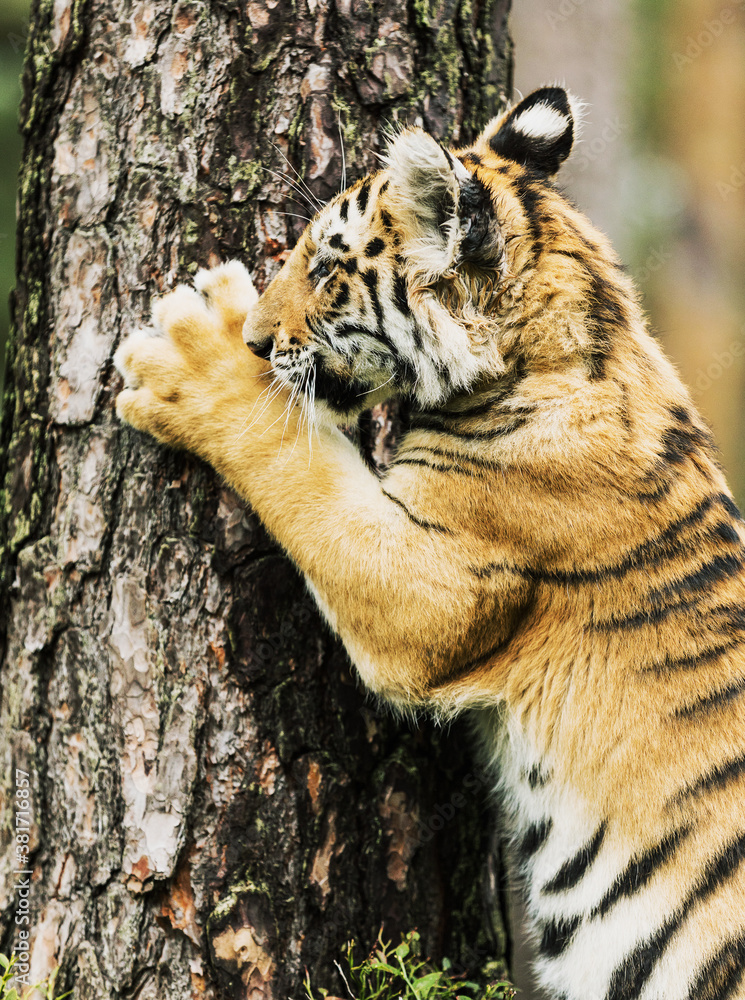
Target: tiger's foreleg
400, 593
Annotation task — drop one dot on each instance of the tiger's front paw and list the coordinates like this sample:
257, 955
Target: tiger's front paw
192, 374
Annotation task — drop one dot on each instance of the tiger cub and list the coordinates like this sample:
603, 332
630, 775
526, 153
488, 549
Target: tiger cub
555, 542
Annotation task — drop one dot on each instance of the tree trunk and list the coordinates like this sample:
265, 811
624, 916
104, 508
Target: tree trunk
214, 805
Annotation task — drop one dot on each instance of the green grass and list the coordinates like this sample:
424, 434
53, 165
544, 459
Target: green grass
400, 973
8, 992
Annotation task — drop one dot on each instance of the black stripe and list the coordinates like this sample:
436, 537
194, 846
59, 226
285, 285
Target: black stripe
556, 935
693, 660
530, 196
401, 296
454, 456
607, 314
435, 466
681, 442
349, 265
508, 383
428, 525
714, 700
350, 329
375, 247
579, 255
370, 278
649, 553
640, 871
680, 413
650, 616
719, 777
721, 567
572, 871
660, 475
533, 839
421, 421
363, 195
477, 410
731, 507
536, 777
342, 296
314, 327
583, 238
722, 974
630, 977
476, 212
385, 217
344, 209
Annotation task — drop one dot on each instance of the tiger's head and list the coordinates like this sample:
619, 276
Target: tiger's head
414, 281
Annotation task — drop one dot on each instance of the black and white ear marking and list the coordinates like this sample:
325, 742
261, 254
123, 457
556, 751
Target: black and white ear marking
539, 131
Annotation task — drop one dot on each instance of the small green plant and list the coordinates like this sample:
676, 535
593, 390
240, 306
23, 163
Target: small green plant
401, 973
8, 992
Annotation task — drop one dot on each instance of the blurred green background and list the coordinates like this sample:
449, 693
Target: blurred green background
660, 168
13, 28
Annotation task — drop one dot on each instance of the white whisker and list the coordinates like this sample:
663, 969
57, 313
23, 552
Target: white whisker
294, 215
301, 181
375, 388
288, 410
277, 419
302, 385
343, 155
298, 190
273, 390
256, 403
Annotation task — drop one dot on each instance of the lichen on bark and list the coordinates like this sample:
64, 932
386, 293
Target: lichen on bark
215, 804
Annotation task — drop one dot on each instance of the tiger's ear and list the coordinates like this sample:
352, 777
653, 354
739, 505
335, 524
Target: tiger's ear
424, 194
538, 132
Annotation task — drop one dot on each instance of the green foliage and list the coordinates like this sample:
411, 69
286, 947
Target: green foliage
8, 992
389, 973
11, 60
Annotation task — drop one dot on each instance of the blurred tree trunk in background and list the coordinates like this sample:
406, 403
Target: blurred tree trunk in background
214, 806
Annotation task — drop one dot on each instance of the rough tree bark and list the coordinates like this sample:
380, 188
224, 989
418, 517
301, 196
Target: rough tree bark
213, 803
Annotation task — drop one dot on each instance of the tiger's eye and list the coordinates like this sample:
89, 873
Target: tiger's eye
320, 271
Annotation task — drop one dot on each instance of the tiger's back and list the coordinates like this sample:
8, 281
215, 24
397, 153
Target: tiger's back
558, 547
621, 744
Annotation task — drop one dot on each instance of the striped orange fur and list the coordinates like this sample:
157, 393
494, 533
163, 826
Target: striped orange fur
557, 546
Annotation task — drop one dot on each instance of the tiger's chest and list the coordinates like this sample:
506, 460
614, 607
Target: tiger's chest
591, 908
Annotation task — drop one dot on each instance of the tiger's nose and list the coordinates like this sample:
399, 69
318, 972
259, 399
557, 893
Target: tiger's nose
261, 346
264, 349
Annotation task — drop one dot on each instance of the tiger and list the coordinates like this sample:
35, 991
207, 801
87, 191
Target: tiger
552, 547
